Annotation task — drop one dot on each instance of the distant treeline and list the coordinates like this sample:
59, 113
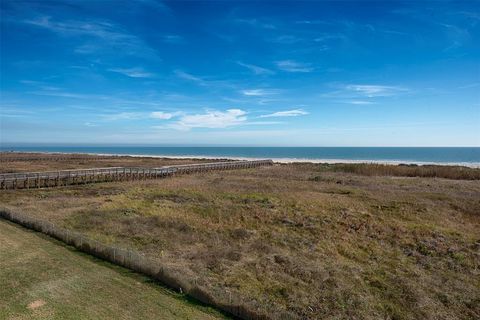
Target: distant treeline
230, 302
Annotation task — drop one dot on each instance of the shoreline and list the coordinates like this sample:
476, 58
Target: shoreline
276, 160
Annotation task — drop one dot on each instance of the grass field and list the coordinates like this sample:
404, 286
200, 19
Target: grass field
43, 279
87, 162
321, 241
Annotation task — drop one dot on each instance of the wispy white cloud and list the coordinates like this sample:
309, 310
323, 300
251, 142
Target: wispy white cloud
210, 119
365, 93
457, 36
294, 66
140, 115
104, 33
255, 69
133, 72
88, 48
329, 37
182, 121
98, 29
265, 101
205, 81
359, 102
187, 76
31, 82
40, 85
369, 90
259, 92
63, 94
457, 32
263, 123
163, 115
286, 113
13, 111
124, 116
349, 27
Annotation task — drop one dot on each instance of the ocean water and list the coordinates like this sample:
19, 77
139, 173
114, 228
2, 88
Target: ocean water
465, 156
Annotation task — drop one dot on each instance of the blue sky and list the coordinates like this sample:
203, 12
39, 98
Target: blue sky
241, 73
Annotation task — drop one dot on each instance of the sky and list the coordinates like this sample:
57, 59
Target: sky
268, 73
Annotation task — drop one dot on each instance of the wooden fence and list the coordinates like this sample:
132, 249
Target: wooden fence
81, 176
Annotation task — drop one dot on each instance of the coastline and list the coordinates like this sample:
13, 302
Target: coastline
276, 160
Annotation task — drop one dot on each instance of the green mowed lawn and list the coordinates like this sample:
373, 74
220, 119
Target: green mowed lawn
43, 279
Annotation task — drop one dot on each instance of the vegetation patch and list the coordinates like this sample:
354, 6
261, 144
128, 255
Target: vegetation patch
348, 244
403, 170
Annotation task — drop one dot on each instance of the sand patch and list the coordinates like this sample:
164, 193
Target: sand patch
36, 304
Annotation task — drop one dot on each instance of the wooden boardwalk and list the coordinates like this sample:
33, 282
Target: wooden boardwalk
47, 179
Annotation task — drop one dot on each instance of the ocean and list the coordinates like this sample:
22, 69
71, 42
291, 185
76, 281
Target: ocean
412, 155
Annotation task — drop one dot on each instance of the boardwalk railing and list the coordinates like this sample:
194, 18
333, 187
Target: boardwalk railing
28, 180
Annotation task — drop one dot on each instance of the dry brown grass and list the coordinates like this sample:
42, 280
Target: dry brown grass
303, 238
39, 162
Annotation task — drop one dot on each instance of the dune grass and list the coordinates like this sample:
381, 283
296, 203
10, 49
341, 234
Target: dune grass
310, 239
403, 170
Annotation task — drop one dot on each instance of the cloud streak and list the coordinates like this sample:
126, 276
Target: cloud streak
286, 113
124, 116
212, 119
133, 72
256, 69
259, 92
294, 66
190, 77
163, 115
101, 34
359, 102
371, 91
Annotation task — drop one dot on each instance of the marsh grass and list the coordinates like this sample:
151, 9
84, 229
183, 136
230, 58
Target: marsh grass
425, 171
